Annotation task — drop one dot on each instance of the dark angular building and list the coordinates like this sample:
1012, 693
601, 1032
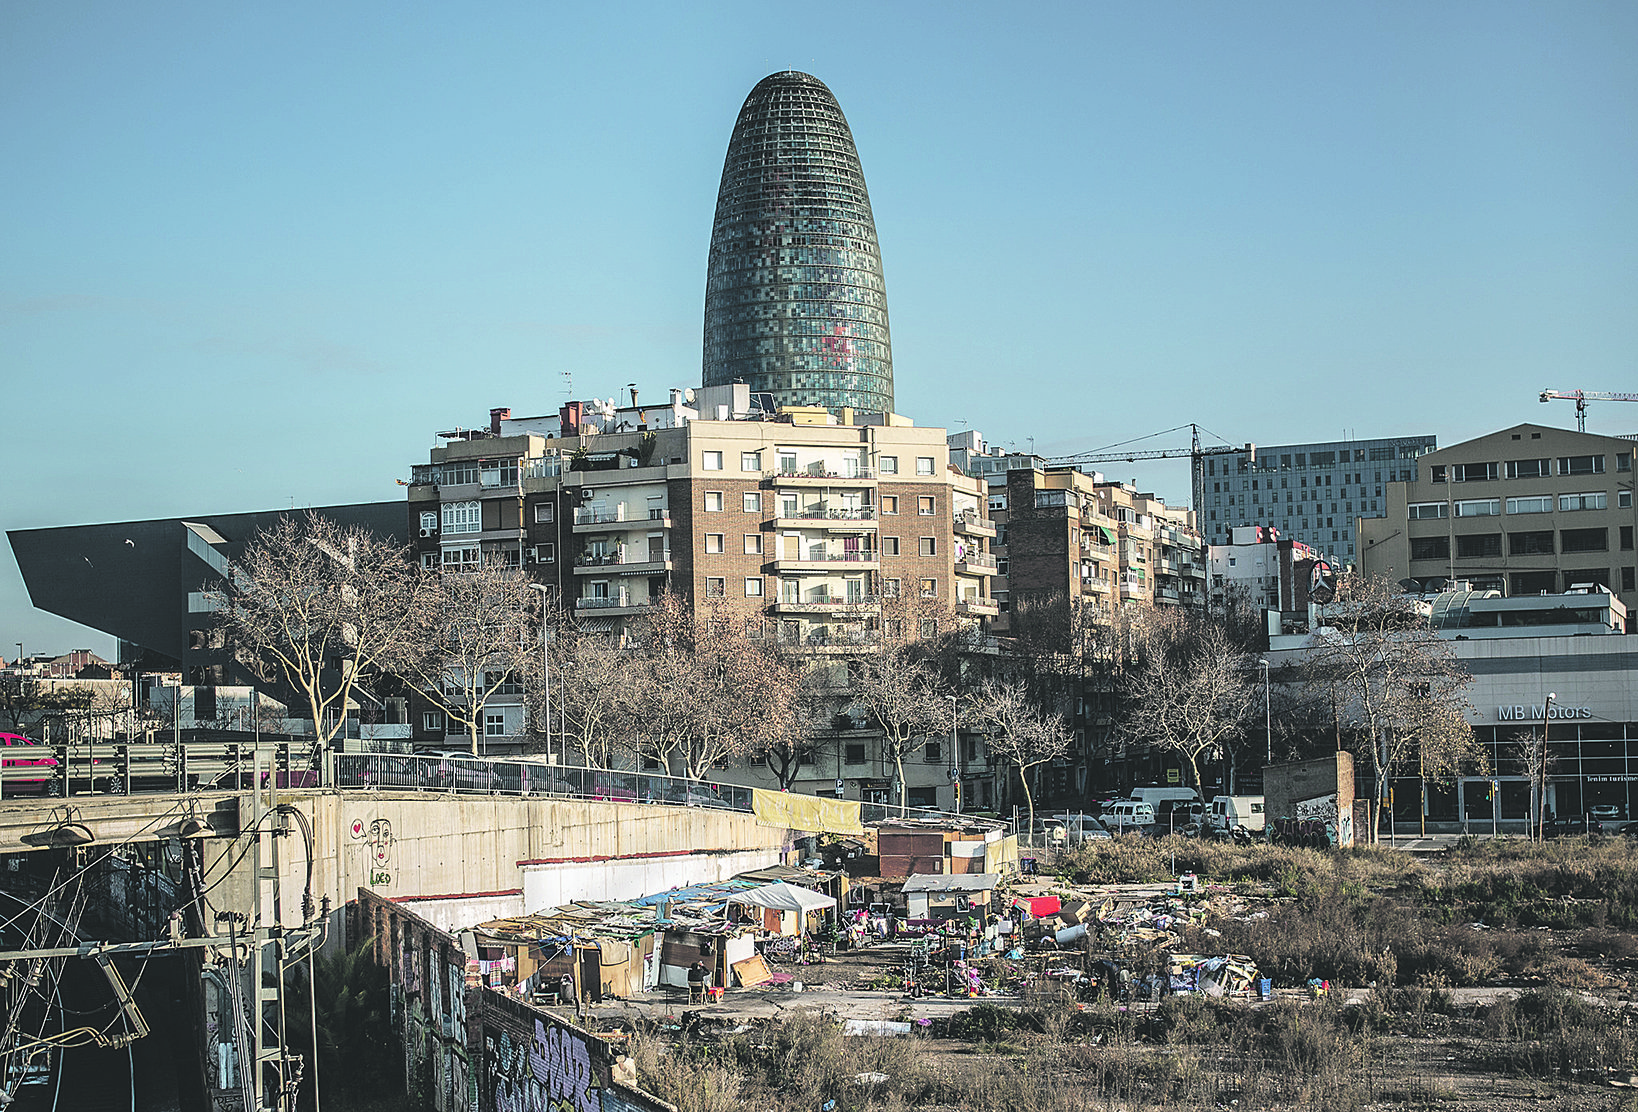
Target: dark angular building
795, 304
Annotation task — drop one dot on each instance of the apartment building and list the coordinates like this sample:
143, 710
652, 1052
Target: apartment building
1313, 493
1528, 510
822, 532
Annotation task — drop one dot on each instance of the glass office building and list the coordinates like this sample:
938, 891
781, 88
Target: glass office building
795, 304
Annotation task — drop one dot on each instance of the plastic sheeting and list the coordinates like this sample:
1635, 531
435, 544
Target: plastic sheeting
806, 812
784, 897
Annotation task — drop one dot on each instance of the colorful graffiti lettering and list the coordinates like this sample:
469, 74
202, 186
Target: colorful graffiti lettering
552, 1074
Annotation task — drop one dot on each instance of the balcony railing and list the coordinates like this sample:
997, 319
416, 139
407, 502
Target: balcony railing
820, 514
615, 559
819, 471
979, 560
815, 556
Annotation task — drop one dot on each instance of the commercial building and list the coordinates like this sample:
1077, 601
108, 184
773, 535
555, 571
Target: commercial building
1524, 511
1312, 493
795, 304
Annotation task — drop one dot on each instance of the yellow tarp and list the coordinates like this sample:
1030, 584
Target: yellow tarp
806, 812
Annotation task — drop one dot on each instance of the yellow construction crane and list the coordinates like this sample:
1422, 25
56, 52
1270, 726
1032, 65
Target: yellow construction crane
1195, 453
1581, 398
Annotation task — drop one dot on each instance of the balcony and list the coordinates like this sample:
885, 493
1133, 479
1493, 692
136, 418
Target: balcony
612, 606
1098, 584
818, 475
977, 563
818, 561
978, 607
588, 519
816, 603
1133, 588
847, 520
972, 524
825, 641
625, 563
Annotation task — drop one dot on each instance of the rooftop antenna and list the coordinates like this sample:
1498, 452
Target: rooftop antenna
568, 384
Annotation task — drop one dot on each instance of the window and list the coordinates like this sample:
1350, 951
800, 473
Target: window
715, 587
929, 588
429, 559
1003, 600
998, 501
1430, 548
888, 465
1584, 540
928, 546
1592, 500
1541, 505
929, 629
890, 546
932, 753
711, 461
461, 557
1623, 461
1529, 468
890, 503
1627, 579
753, 587
1530, 544
1438, 475
750, 461
890, 588
925, 506
1580, 465
494, 724
545, 553
1422, 511
597, 588
1484, 507
432, 721
1626, 538
713, 542
1471, 472
924, 465
545, 511
429, 522
853, 753
1624, 500
893, 628
462, 517
713, 501
1474, 546
1532, 582
754, 628
753, 503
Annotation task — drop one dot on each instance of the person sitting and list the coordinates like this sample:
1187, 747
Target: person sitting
697, 978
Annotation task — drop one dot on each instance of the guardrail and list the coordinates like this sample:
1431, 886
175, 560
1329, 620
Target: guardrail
154, 767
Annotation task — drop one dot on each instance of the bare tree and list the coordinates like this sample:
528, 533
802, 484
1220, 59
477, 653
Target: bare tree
323, 605
1192, 692
476, 637
1537, 761
900, 695
589, 678
1017, 732
703, 692
1394, 683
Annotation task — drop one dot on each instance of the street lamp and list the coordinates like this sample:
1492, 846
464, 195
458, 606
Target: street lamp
955, 753
1539, 773
545, 672
1268, 712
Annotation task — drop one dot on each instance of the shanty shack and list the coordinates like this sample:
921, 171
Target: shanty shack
908, 848
950, 896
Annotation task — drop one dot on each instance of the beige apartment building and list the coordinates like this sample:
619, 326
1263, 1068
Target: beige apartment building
1528, 510
825, 533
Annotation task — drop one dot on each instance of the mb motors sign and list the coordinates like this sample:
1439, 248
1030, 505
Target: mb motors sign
1534, 713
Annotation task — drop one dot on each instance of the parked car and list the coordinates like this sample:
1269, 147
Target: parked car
21, 777
1572, 824
463, 771
1072, 830
1606, 812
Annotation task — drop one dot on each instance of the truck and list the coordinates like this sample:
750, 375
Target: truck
1166, 799
1231, 811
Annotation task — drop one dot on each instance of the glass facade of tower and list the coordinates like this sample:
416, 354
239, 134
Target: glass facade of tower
795, 304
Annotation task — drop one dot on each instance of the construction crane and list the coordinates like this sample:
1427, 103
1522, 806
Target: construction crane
1195, 452
1581, 398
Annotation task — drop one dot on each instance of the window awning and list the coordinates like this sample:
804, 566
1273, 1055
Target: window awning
597, 625
1108, 537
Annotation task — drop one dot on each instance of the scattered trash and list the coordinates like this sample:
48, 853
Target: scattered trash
882, 1028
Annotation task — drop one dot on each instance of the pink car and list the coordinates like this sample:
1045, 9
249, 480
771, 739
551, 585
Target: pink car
43, 783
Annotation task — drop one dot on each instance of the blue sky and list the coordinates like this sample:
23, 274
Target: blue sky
255, 256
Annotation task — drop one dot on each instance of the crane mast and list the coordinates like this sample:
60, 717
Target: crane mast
1581, 398
1195, 453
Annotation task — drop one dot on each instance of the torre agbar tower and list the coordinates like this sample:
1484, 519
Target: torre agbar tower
795, 304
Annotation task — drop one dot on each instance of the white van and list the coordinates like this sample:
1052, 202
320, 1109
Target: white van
1126, 814
1175, 797
1230, 811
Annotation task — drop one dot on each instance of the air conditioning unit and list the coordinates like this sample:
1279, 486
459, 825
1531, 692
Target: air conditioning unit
426, 532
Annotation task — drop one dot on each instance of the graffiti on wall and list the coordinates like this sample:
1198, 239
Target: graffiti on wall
467, 1046
377, 838
1323, 809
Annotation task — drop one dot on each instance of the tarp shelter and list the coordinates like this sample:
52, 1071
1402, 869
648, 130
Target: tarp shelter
779, 901
1038, 906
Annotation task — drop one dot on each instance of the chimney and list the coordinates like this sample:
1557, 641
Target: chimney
496, 416
569, 415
